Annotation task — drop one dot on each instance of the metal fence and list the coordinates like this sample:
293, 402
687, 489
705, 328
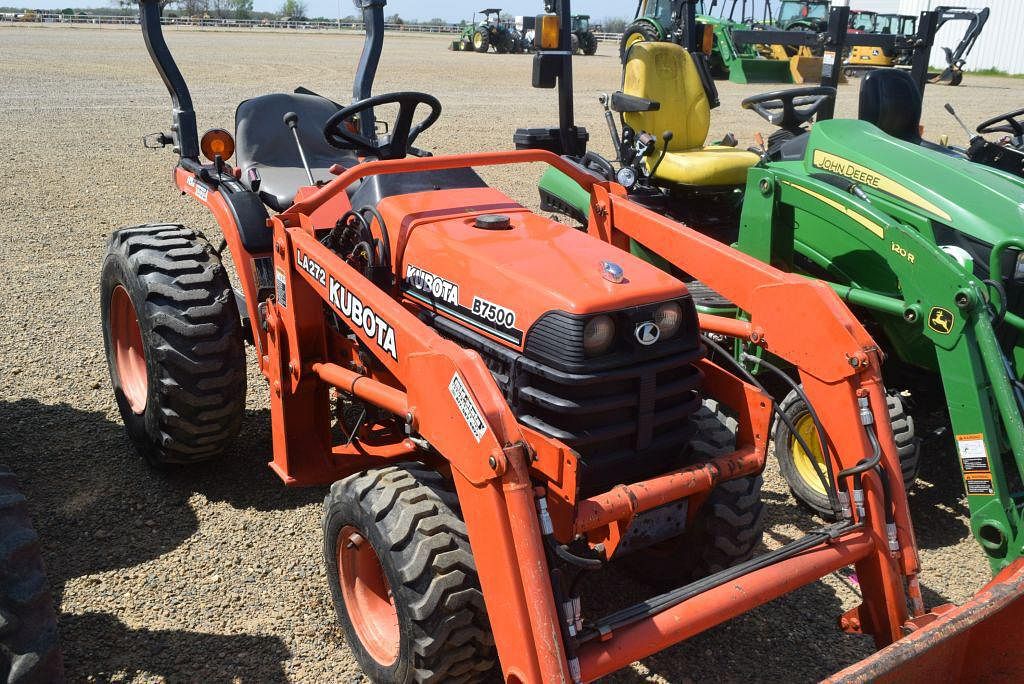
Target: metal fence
251, 24
124, 20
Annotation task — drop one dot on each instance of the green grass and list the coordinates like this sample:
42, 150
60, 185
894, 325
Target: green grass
994, 72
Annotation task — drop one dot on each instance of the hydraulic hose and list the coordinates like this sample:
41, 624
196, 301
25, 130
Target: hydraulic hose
833, 497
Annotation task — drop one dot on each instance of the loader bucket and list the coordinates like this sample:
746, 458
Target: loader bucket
753, 70
976, 642
805, 69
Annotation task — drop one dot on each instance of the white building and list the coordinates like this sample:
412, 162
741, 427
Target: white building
999, 44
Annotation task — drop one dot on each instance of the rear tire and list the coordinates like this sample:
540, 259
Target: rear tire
794, 465
181, 391
725, 530
29, 650
407, 519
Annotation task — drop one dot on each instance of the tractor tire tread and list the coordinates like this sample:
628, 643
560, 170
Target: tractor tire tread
29, 645
427, 545
197, 373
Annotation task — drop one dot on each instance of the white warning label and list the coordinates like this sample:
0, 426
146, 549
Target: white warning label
467, 407
973, 455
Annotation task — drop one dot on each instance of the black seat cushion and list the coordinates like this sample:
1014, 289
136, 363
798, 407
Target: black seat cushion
889, 98
264, 143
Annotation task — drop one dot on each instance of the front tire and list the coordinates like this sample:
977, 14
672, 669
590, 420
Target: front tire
726, 529
481, 41
589, 44
29, 650
174, 343
403, 579
797, 467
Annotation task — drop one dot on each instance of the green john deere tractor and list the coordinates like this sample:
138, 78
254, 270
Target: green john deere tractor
924, 244
490, 31
583, 38
668, 20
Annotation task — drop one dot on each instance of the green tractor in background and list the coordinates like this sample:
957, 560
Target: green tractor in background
922, 243
583, 38
668, 20
490, 31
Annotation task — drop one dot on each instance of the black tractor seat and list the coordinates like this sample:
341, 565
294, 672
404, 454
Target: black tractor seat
264, 143
890, 99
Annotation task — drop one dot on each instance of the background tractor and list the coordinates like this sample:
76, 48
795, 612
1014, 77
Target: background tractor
583, 38
689, 22
922, 243
490, 31
501, 405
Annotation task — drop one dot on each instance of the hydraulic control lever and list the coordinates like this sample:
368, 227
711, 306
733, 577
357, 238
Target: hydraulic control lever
291, 120
971, 137
666, 138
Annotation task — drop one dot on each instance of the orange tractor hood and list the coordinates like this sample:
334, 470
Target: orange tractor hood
509, 276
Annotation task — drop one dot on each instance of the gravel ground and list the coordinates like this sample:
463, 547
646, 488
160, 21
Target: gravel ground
216, 575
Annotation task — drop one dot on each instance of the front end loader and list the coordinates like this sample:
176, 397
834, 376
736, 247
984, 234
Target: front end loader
922, 243
503, 404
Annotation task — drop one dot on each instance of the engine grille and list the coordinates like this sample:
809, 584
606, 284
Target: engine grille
626, 423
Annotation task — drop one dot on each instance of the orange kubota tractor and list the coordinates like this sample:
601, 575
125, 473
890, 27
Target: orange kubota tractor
500, 404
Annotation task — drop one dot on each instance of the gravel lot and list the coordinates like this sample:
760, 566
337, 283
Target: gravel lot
216, 575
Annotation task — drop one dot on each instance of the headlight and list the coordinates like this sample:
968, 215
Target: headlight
598, 335
1018, 269
668, 318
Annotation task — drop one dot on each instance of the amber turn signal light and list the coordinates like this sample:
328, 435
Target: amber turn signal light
547, 32
217, 141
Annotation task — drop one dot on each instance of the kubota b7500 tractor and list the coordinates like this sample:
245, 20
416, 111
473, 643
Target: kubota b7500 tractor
502, 403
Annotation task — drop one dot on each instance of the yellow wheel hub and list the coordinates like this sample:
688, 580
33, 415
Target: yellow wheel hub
633, 39
478, 40
808, 465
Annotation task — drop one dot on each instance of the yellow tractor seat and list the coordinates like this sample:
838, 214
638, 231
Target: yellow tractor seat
664, 77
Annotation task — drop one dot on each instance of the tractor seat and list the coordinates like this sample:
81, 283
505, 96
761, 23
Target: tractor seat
664, 73
264, 143
889, 99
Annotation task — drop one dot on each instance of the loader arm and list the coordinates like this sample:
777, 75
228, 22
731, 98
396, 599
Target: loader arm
491, 474
930, 298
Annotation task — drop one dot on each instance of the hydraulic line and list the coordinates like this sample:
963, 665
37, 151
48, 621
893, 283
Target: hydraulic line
833, 497
827, 483
658, 604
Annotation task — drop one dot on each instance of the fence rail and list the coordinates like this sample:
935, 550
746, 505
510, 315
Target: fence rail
252, 24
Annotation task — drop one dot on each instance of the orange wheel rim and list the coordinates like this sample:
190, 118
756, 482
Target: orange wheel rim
129, 357
367, 594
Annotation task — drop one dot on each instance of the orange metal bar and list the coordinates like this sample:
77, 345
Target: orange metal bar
704, 611
625, 501
460, 161
508, 551
733, 327
377, 393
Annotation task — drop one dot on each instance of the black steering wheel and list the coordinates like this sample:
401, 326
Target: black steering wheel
340, 132
1011, 125
790, 109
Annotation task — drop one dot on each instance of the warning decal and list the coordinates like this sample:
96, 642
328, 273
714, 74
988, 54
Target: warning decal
973, 455
978, 483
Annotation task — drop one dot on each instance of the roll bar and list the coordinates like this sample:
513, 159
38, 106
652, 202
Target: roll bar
184, 134
183, 116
